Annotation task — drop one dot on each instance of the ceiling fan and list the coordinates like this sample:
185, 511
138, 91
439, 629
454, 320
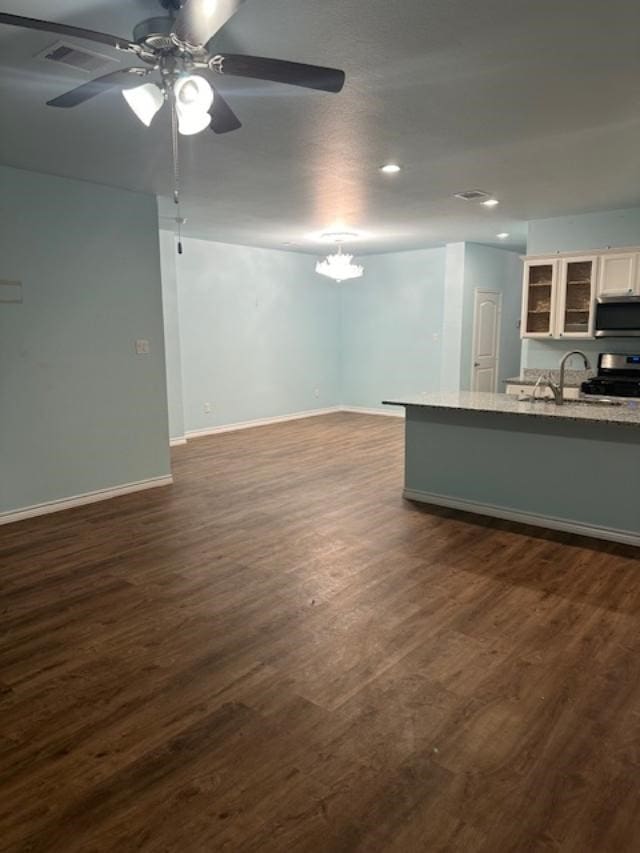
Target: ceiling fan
176, 47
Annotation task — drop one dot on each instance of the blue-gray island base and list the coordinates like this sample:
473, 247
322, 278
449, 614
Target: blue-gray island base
574, 467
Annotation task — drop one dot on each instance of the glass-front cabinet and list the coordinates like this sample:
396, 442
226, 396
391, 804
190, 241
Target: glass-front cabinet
539, 299
576, 293
559, 297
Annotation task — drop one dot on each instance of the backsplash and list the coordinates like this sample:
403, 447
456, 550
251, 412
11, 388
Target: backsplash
571, 377
547, 354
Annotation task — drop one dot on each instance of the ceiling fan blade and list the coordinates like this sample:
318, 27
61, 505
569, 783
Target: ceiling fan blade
223, 118
280, 71
199, 20
95, 87
65, 30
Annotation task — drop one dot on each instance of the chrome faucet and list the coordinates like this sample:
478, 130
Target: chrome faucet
557, 389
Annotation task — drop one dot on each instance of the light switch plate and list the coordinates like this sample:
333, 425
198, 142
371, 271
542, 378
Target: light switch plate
142, 347
10, 291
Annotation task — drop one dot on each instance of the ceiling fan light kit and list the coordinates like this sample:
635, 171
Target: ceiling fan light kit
176, 47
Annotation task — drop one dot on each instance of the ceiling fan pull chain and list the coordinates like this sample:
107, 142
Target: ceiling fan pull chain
176, 168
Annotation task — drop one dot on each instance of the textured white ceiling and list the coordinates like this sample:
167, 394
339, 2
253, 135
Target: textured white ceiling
537, 102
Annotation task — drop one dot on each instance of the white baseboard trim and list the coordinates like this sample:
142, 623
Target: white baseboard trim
278, 419
82, 500
626, 537
175, 442
258, 422
361, 410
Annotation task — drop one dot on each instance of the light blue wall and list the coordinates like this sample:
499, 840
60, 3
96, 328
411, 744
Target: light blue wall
388, 322
259, 334
173, 352
610, 228
79, 411
584, 232
493, 269
260, 330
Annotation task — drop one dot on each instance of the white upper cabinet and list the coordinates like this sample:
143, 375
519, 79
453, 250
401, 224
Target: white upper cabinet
539, 299
559, 297
574, 316
618, 274
559, 293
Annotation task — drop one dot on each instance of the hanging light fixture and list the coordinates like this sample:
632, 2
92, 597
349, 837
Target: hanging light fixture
339, 266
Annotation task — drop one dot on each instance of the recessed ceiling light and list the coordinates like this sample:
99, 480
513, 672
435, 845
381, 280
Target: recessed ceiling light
390, 168
503, 235
491, 202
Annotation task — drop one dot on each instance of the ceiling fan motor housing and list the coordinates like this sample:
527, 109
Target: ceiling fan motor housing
172, 5
156, 32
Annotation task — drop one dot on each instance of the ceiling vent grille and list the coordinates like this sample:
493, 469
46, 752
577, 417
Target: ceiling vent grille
472, 195
63, 53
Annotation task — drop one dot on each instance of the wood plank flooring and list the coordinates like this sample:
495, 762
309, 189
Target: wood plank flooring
280, 654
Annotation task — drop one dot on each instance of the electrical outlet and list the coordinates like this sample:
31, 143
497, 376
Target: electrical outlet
436, 336
207, 408
316, 393
142, 347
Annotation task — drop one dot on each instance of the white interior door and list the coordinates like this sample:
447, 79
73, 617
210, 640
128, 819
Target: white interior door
487, 314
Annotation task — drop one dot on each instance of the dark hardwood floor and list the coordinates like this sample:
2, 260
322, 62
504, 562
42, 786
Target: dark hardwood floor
279, 654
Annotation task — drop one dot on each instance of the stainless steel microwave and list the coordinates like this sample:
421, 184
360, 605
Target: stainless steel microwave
617, 317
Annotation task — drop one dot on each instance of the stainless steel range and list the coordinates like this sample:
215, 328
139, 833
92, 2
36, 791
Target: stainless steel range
618, 376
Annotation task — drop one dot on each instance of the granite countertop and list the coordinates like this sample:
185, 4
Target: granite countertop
472, 401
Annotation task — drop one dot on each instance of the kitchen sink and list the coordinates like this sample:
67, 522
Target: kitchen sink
599, 401
583, 401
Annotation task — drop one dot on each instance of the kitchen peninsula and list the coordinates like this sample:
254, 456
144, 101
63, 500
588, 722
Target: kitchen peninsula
572, 467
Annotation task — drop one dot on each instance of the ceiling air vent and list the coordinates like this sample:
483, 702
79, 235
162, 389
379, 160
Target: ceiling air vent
472, 195
80, 58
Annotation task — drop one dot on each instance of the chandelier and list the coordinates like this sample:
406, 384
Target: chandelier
338, 266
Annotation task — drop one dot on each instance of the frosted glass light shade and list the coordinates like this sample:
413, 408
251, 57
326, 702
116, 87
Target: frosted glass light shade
192, 121
193, 92
145, 101
194, 98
